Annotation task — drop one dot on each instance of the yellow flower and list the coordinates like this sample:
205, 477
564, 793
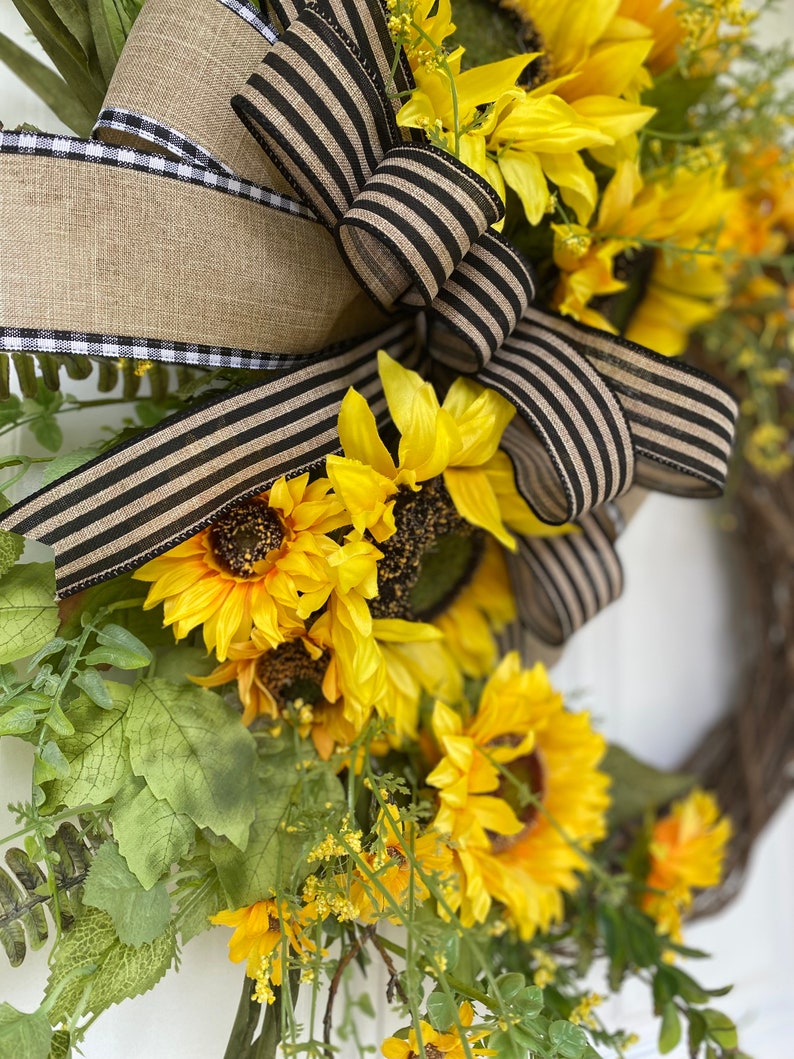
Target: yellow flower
477, 614
457, 440
437, 1045
259, 565
687, 850
522, 855
768, 449
296, 681
260, 931
399, 847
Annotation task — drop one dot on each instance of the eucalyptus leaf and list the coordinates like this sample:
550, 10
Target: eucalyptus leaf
140, 915
194, 753
28, 611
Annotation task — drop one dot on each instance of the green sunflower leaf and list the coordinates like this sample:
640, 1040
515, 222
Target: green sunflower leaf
194, 753
139, 915
24, 1036
151, 836
95, 751
112, 971
28, 611
638, 788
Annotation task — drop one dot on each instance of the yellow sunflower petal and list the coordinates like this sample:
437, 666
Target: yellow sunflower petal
365, 494
481, 417
475, 500
358, 433
430, 439
400, 385
524, 174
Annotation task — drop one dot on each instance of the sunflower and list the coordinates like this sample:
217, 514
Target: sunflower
262, 930
687, 849
402, 859
520, 797
296, 681
437, 1045
258, 566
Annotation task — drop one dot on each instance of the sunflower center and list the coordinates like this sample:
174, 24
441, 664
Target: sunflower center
635, 270
491, 29
430, 559
244, 536
526, 773
273, 924
290, 673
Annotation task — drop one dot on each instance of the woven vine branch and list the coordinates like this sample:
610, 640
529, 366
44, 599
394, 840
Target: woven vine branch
24, 892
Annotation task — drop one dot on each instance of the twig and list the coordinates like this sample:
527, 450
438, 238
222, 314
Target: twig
341, 967
393, 984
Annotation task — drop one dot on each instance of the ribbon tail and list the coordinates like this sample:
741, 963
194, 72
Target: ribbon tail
160, 488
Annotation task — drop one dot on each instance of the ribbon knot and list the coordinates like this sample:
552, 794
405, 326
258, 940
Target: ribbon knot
410, 221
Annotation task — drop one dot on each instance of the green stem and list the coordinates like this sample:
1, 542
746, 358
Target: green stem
245, 1023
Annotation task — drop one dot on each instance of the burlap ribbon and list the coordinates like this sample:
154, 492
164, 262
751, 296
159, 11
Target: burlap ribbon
302, 239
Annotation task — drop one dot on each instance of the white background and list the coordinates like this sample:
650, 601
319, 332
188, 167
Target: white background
656, 670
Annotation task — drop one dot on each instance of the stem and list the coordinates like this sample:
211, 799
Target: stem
333, 988
245, 1023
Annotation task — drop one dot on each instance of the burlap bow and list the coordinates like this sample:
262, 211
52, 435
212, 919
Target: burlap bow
176, 235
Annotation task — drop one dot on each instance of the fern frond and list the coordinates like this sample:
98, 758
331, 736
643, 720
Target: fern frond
24, 892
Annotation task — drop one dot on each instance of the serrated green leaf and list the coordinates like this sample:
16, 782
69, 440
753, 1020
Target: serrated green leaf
139, 915
194, 753
95, 752
28, 611
93, 684
70, 461
61, 1047
113, 971
670, 1029
441, 1011
11, 548
569, 1040
24, 1036
249, 876
196, 907
151, 836
638, 788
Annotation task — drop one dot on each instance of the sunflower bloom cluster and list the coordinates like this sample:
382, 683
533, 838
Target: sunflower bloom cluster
441, 1045
520, 797
687, 849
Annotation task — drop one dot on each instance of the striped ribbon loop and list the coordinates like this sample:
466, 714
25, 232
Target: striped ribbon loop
410, 221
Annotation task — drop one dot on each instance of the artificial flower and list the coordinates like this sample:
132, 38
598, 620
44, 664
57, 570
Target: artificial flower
520, 742
437, 1045
257, 566
686, 850
260, 930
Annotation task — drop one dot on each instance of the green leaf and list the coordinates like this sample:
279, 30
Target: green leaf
664, 989
47, 431
194, 753
121, 657
112, 971
18, 721
144, 624
670, 1030
70, 461
720, 1028
12, 545
179, 664
638, 788
151, 836
196, 906
93, 684
247, 877
122, 639
24, 1036
441, 1011
697, 1030
28, 611
530, 1002
48, 86
511, 984
61, 1047
139, 915
95, 752
569, 1040
688, 988
109, 33
50, 764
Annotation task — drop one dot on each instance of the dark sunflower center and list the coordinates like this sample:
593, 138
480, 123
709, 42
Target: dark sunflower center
491, 29
528, 773
429, 560
634, 269
273, 924
245, 535
289, 672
